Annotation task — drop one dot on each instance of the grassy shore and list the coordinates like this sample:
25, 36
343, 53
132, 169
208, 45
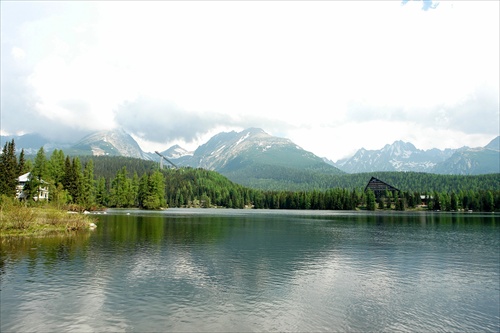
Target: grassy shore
21, 220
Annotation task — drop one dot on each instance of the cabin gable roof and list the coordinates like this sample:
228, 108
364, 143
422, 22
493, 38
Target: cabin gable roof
379, 187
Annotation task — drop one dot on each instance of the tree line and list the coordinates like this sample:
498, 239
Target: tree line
90, 183
72, 183
281, 178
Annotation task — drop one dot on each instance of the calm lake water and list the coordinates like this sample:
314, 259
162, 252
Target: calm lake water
258, 270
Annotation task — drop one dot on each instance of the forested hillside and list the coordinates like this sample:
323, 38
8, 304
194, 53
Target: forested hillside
92, 182
107, 166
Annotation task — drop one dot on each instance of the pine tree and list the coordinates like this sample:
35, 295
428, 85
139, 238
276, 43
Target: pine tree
101, 192
399, 203
59, 195
88, 185
370, 200
156, 191
488, 201
40, 167
31, 187
381, 203
436, 201
134, 195
142, 190
9, 170
72, 180
453, 202
56, 167
22, 166
121, 194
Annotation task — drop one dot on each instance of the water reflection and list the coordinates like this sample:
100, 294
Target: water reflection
258, 271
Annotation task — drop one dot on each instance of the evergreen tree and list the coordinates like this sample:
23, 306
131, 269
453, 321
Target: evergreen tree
56, 167
134, 198
59, 195
488, 201
417, 199
31, 188
370, 200
101, 192
436, 201
40, 166
399, 203
73, 179
381, 204
445, 201
121, 193
66, 178
205, 201
9, 170
142, 191
155, 197
453, 202
38, 175
22, 165
88, 197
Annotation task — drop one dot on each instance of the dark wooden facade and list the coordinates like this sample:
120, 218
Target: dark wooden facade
379, 187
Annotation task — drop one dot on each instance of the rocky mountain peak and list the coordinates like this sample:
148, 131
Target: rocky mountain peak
176, 151
114, 142
399, 148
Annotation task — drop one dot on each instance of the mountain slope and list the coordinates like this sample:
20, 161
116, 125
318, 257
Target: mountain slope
472, 161
494, 144
31, 143
108, 143
399, 156
227, 150
253, 155
177, 153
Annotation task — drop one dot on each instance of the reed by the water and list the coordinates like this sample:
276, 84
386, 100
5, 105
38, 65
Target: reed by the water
19, 219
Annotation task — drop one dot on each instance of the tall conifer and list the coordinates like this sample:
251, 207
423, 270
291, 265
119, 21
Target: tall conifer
22, 166
9, 170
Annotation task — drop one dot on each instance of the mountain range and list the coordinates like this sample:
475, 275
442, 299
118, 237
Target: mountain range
253, 155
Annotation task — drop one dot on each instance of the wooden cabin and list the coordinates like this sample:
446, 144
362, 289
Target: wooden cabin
379, 187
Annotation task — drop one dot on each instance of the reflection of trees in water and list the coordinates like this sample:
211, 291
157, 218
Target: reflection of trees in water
47, 249
161, 229
261, 240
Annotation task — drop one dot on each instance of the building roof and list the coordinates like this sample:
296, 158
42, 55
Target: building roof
376, 185
24, 178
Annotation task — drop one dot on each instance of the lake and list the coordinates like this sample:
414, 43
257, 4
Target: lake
258, 270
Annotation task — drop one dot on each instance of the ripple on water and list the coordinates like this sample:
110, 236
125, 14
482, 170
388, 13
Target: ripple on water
285, 274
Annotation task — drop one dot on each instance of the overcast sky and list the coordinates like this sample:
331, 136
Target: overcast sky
332, 76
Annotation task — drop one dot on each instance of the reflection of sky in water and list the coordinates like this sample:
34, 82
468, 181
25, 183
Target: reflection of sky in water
257, 274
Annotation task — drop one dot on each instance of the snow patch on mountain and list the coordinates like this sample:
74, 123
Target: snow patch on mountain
115, 143
242, 139
217, 152
399, 156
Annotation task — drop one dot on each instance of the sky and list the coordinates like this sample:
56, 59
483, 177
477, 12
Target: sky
332, 76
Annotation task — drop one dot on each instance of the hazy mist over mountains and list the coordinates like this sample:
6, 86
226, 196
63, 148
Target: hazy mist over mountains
234, 152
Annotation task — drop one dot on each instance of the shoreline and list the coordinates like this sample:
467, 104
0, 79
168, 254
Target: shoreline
21, 221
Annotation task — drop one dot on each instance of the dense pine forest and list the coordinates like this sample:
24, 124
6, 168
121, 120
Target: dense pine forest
98, 182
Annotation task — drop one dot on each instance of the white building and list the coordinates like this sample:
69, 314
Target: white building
43, 189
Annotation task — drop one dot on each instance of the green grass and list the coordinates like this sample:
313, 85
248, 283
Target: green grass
21, 220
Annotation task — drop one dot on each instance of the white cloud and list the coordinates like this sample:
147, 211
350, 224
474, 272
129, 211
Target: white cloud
18, 53
317, 72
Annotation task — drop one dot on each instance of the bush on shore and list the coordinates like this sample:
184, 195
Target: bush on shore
21, 219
